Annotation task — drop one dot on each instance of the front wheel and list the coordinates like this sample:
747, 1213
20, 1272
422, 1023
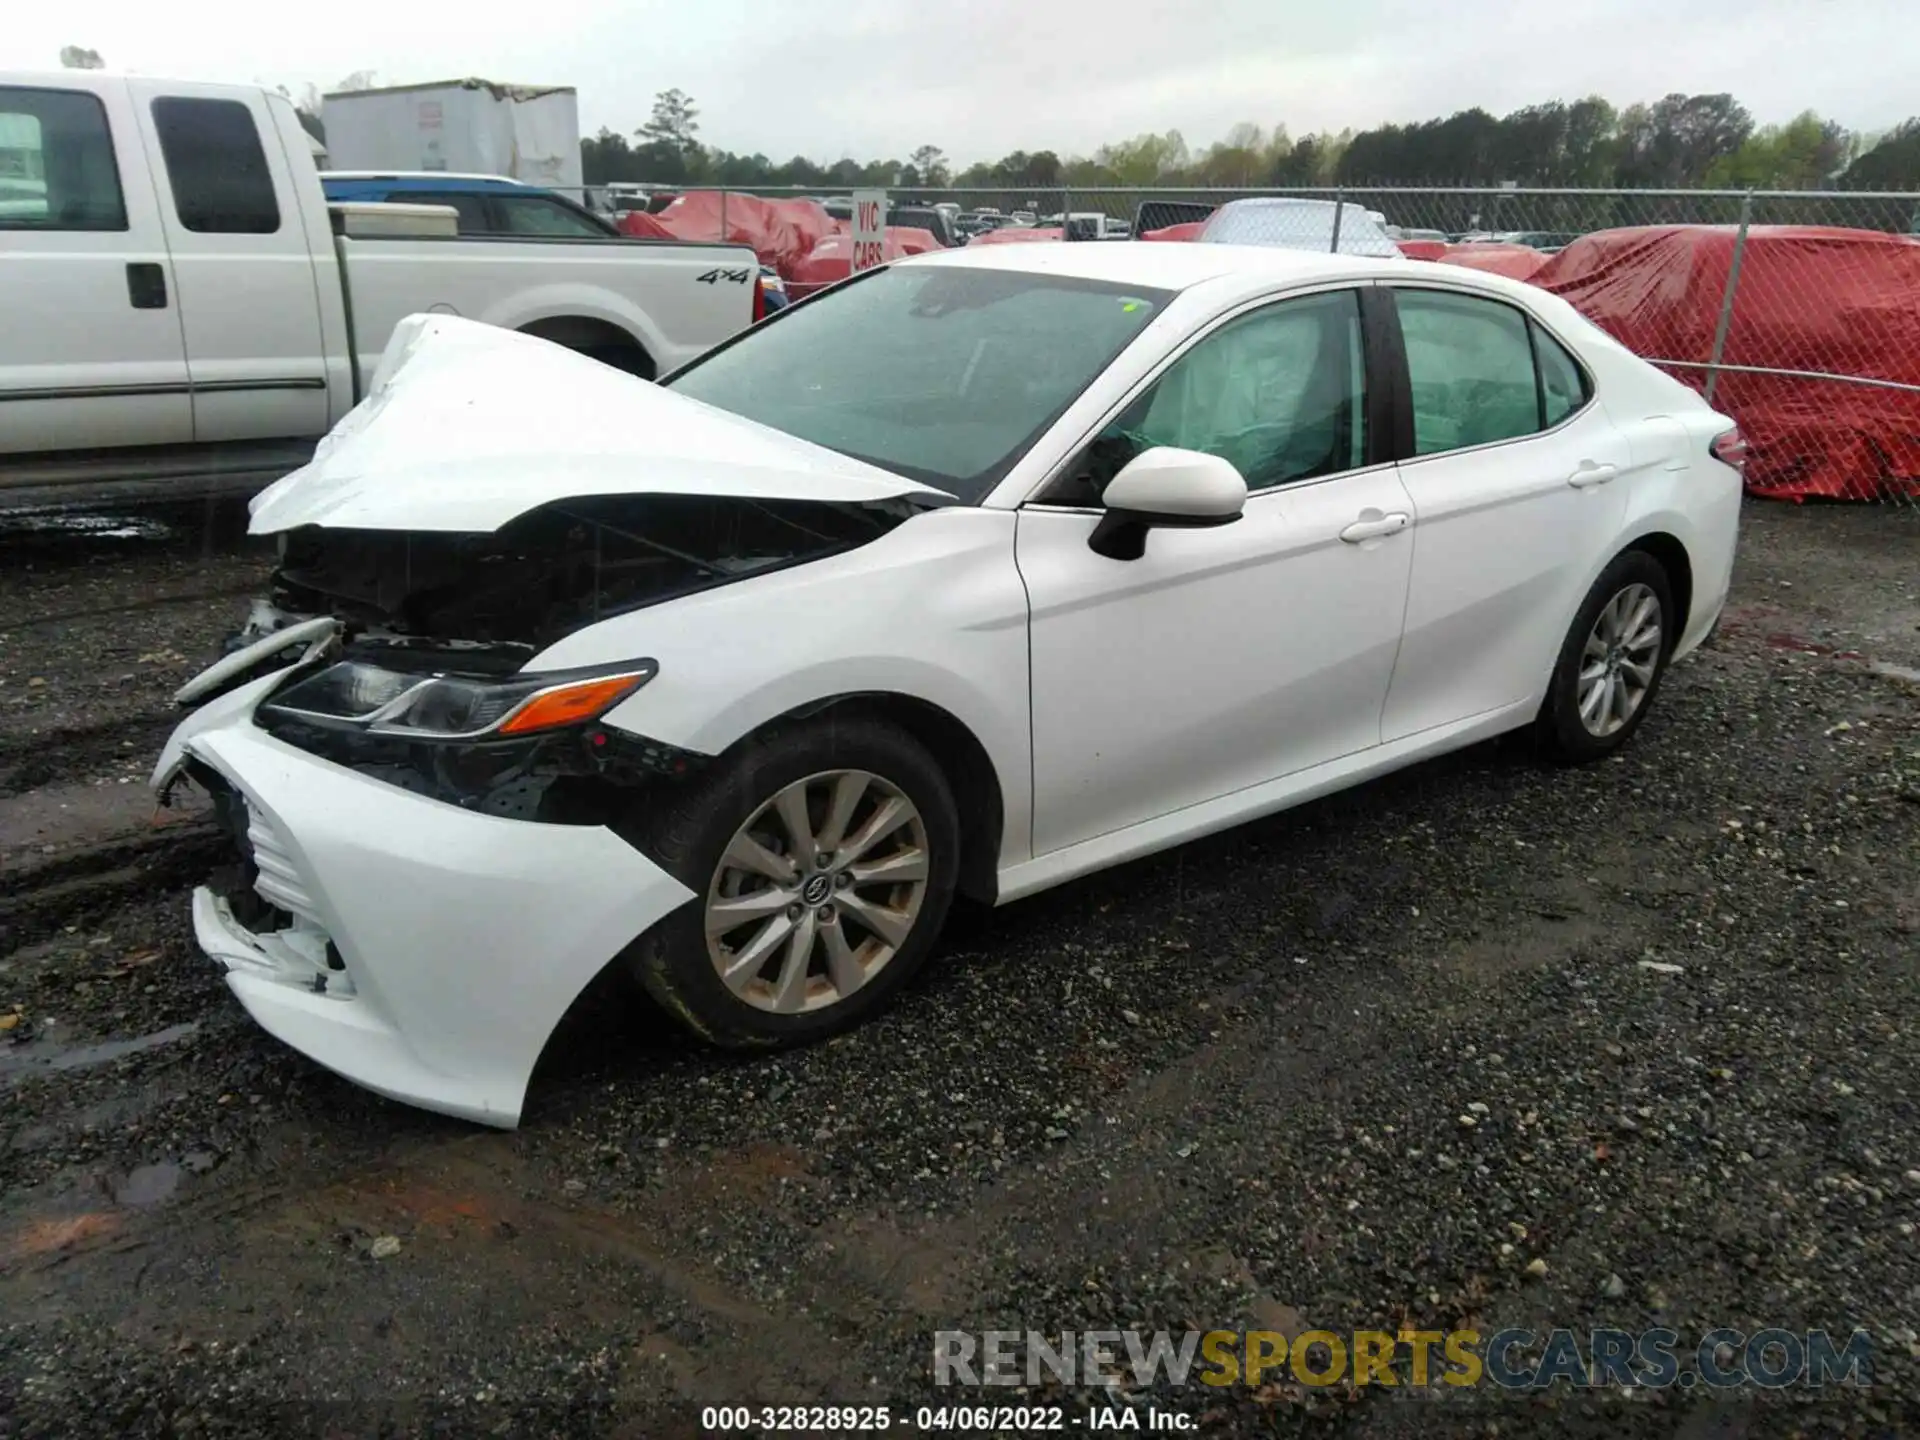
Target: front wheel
1611, 663
824, 859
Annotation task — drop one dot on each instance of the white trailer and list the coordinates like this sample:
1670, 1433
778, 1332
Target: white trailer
477, 127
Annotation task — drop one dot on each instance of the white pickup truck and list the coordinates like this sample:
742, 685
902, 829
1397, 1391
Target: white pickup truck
181, 314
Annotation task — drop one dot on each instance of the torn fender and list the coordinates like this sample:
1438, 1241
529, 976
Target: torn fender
467, 426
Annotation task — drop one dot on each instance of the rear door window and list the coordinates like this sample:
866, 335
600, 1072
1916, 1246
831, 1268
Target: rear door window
1470, 363
57, 170
216, 166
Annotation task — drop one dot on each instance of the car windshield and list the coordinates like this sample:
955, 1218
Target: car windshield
944, 374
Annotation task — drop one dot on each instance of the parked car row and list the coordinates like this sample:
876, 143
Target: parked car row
496, 205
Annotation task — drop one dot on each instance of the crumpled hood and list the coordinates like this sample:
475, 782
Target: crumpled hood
466, 426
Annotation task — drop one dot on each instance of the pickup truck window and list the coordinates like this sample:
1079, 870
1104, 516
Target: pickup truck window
56, 162
472, 209
218, 171
537, 215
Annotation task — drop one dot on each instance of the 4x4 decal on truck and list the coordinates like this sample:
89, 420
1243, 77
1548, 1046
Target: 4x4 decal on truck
712, 277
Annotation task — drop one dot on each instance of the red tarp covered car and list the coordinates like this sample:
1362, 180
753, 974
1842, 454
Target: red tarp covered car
832, 259
1827, 301
1187, 230
641, 226
781, 232
1516, 262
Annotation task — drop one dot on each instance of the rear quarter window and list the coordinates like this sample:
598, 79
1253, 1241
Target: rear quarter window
1563, 384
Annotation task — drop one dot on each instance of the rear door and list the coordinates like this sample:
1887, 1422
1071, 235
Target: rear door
91, 352
245, 273
1516, 475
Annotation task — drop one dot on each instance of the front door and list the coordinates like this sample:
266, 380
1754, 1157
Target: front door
1224, 657
91, 354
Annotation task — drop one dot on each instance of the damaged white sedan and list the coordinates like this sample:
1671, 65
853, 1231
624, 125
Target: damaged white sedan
969, 576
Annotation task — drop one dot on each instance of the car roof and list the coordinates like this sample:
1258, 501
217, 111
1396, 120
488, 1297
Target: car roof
1165, 267
427, 179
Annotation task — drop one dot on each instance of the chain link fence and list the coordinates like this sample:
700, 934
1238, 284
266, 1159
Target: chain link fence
1449, 212
1810, 338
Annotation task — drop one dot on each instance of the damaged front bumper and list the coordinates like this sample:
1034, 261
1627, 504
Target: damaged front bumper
421, 950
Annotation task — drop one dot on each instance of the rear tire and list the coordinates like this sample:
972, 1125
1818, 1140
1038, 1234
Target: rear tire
867, 904
628, 359
1611, 663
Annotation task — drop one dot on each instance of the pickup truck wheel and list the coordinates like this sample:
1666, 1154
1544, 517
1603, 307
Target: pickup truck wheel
597, 340
629, 359
825, 859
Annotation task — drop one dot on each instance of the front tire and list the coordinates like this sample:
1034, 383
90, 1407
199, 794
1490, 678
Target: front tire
1611, 663
824, 859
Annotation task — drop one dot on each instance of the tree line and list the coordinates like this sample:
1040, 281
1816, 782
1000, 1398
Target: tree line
1678, 142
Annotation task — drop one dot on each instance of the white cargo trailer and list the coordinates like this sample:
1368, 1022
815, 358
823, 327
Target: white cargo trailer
529, 132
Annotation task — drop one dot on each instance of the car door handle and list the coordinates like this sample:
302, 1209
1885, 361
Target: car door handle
146, 286
1372, 527
1590, 474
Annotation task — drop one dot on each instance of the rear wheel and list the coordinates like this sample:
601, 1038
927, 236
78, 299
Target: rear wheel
1611, 663
824, 859
630, 359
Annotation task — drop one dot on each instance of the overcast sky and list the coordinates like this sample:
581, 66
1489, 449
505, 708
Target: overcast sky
874, 78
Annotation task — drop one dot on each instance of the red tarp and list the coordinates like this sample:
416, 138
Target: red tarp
1423, 249
832, 259
1015, 235
642, 226
1516, 262
1187, 230
1841, 302
781, 232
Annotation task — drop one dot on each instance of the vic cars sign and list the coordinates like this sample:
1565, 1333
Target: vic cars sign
869, 229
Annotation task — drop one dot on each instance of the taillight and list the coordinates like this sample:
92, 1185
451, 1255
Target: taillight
1730, 447
759, 297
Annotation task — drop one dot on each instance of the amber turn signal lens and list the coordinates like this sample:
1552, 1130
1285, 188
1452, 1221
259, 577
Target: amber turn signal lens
571, 704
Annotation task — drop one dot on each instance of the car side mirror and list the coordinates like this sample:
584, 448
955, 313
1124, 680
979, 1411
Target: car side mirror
1166, 488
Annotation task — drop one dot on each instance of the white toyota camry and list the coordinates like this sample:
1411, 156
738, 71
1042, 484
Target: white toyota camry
972, 575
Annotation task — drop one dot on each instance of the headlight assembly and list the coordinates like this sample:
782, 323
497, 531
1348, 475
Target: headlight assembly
379, 701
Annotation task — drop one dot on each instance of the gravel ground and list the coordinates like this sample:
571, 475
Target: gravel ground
1482, 1044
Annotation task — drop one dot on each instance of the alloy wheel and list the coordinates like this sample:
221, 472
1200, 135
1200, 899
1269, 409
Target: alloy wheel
817, 891
1619, 661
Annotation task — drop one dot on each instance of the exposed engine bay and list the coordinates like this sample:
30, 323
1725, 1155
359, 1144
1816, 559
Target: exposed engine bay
549, 572
480, 606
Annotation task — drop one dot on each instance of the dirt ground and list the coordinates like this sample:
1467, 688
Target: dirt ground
1482, 1044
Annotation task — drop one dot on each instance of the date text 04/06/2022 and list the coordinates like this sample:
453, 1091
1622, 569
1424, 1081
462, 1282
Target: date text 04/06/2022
938, 1419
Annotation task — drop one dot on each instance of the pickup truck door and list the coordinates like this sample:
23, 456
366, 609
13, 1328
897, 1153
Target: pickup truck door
243, 264
91, 353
